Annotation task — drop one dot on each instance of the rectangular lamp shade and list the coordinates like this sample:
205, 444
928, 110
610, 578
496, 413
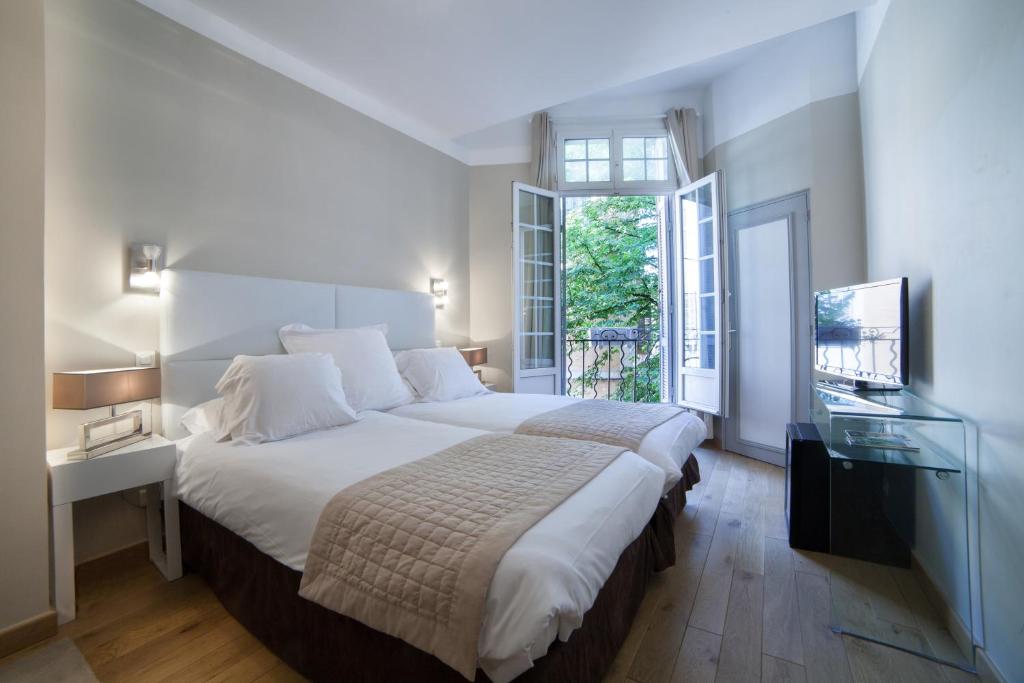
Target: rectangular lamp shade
474, 356
100, 388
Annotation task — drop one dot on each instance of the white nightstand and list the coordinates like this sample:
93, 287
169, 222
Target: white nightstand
148, 463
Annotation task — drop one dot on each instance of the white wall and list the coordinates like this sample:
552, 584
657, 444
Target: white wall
815, 148
869, 23
156, 134
941, 102
808, 66
787, 120
490, 258
24, 546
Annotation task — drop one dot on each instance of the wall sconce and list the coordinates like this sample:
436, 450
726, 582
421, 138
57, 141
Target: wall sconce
145, 267
439, 288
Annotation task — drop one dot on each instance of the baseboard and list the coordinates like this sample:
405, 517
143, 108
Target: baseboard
112, 551
29, 632
988, 672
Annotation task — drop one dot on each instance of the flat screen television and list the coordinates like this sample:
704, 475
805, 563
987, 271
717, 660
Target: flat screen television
861, 334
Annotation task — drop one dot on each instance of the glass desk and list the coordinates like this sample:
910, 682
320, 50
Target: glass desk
898, 521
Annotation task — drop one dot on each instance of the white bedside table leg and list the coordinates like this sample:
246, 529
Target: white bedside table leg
154, 528
64, 562
167, 560
172, 532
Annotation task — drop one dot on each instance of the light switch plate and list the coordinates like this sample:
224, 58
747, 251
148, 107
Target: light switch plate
145, 359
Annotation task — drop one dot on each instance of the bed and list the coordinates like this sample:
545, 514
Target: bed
248, 514
669, 446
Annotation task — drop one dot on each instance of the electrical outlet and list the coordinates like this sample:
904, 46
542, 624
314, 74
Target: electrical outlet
145, 359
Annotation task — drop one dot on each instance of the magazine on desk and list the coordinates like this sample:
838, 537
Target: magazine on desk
880, 440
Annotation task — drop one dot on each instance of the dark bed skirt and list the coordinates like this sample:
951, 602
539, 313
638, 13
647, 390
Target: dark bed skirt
263, 595
675, 499
669, 507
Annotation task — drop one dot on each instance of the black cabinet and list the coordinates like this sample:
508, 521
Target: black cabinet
807, 489
863, 510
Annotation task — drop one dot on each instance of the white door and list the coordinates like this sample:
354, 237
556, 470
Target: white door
700, 310
536, 287
771, 345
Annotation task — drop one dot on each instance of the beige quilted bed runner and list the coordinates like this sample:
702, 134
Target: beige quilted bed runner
610, 422
412, 551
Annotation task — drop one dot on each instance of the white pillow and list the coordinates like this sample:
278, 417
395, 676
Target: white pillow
269, 398
204, 417
439, 374
368, 370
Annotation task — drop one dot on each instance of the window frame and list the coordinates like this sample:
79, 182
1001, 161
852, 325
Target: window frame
615, 134
583, 133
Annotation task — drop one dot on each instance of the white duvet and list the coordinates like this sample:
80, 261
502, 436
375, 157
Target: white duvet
272, 495
668, 445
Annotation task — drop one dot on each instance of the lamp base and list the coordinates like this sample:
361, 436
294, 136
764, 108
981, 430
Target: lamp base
108, 434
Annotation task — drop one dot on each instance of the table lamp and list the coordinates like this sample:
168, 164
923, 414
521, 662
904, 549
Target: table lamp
475, 356
89, 389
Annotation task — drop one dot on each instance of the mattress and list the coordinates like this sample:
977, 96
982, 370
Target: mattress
272, 495
666, 446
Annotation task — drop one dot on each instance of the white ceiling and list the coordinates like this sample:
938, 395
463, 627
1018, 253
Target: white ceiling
441, 69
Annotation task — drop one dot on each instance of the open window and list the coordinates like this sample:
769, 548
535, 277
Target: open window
701, 310
536, 287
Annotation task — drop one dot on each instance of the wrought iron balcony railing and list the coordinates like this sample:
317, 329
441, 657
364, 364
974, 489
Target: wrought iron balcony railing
614, 363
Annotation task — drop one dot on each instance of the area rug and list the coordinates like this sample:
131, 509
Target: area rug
59, 661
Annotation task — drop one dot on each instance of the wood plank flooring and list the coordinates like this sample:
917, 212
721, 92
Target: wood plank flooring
739, 605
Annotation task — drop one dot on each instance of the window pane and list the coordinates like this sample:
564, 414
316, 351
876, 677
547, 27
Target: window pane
545, 246
538, 280
707, 351
597, 148
707, 276
707, 245
599, 171
530, 244
526, 207
633, 170
538, 316
707, 313
632, 148
575, 171
656, 170
575, 149
545, 210
704, 199
538, 351
657, 148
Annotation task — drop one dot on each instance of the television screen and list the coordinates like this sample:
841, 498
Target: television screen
861, 332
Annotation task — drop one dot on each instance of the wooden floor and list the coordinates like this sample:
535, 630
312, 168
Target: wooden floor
740, 605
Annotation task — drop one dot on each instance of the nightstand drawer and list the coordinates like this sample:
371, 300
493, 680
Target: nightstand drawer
136, 465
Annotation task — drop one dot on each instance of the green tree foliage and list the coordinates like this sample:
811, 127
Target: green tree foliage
611, 280
611, 263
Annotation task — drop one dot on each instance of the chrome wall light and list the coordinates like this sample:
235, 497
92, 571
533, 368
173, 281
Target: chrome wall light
439, 288
147, 262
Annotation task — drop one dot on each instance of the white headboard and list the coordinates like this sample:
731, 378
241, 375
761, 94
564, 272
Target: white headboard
206, 319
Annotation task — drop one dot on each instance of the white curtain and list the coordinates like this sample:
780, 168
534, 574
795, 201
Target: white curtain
682, 135
543, 154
